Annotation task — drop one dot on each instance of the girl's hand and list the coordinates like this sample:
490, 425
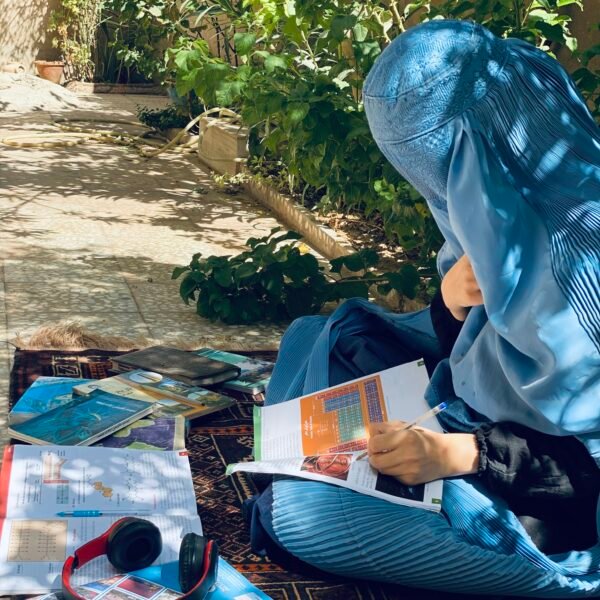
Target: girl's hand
460, 289
420, 455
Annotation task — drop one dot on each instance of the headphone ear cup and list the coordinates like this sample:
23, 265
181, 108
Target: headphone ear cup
191, 560
133, 544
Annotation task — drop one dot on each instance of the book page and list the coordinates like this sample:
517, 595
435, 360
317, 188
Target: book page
47, 480
319, 436
345, 470
40, 483
336, 419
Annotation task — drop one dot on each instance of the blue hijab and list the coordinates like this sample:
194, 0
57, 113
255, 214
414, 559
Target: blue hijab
496, 137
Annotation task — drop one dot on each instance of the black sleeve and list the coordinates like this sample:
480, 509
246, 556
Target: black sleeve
551, 483
446, 327
518, 462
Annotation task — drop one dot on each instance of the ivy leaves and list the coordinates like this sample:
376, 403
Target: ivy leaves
244, 43
278, 279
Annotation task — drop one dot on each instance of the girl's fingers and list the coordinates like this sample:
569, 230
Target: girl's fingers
385, 461
386, 442
378, 428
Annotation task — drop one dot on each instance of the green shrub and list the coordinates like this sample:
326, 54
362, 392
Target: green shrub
296, 78
275, 280
74, 24
298, 87
162, 118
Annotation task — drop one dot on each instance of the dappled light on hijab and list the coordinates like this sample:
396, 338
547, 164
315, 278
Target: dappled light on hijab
496, 137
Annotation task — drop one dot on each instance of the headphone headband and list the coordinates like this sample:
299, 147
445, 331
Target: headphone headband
90, 550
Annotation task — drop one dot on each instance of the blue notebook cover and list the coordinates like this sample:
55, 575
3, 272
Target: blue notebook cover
230, 583
44, 394
82, 421
161, 583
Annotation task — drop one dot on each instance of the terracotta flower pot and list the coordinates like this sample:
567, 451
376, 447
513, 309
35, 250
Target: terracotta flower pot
52, 70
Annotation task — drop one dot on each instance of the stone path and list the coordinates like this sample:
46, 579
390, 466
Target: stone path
92, 232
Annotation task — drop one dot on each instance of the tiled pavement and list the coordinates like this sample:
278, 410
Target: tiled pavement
92, 232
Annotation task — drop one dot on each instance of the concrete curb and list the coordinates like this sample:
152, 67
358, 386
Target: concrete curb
86, 87
323, 239
228, 145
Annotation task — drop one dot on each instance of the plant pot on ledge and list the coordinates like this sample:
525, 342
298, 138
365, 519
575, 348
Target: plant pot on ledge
51, 70
223, 145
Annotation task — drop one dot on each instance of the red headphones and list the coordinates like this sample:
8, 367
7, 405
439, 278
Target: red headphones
132, 544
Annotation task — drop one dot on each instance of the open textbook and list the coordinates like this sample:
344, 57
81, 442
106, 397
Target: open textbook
320, 436
39, 484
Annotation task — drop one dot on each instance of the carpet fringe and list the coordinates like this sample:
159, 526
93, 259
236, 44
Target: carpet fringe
72, 336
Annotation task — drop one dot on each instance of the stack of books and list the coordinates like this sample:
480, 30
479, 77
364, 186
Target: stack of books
74, 492
147, 405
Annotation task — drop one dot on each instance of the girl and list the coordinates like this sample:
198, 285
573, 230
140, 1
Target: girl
495, 136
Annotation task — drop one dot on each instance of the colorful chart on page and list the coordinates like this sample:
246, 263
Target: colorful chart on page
334, 420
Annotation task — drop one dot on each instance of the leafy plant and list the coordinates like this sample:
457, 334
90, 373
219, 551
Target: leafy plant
540, 22
294, 70
298, 87
588, 79
75, 25
275, 280
144, 29
162, 118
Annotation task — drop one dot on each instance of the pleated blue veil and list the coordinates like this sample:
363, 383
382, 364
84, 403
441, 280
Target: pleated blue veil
498, 140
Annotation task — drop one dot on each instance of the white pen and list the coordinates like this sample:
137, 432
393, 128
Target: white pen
436, 410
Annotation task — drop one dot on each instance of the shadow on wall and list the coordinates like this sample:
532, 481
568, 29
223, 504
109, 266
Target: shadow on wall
586, 29
23, 35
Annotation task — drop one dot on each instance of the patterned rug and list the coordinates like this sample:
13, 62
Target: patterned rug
213, 443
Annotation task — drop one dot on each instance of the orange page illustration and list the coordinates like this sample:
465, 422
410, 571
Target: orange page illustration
334, 420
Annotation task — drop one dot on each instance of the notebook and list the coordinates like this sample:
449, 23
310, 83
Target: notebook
193, 401
44, 394
180, 365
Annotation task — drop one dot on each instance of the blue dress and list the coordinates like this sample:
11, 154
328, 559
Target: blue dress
496, 137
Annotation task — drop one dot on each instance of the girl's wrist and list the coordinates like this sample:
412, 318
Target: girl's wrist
460, 454
457, 311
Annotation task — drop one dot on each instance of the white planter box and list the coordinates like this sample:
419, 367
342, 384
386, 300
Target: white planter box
223, 145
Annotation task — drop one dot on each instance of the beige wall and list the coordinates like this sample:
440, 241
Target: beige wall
585, 28
23, 36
